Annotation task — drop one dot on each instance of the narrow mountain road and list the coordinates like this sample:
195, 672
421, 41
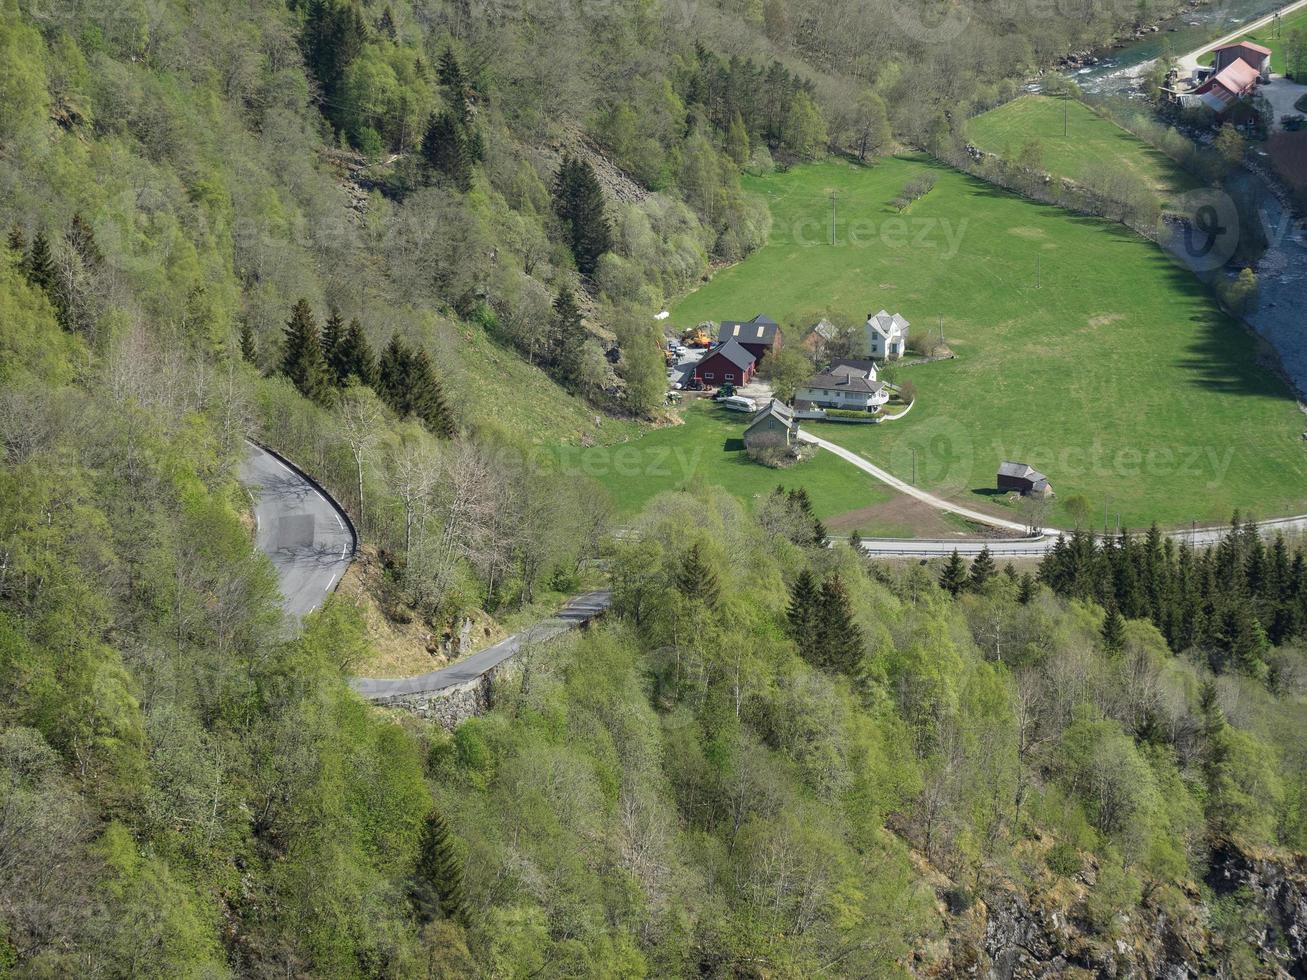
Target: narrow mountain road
310, 541
577, 612
305, 534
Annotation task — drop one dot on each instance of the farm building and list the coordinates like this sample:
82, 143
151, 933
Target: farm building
772, 428
887, 335
1256, 56
759, 336
728, 364
1023, 478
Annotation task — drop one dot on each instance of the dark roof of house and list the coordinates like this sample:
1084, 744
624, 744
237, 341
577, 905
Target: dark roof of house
775, 410
733, 352
762, 329
1021, 471
843, 382
843, 365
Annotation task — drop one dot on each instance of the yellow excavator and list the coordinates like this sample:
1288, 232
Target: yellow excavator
696, 337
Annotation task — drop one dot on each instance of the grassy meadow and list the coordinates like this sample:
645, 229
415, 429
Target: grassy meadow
1082, 349
1076, 142
707, 449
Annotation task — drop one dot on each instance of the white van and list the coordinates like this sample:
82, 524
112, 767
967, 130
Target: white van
738, 403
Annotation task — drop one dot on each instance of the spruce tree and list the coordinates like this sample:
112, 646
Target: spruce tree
855, 542
38, 266
249, 351
737, 141
1026, 589
954, 577
301, 358
332, 332
565, 328
455, 83
437, 887
1113, 629
353, 357
838, 643
82, 239
17, 241
982, 570
444, 147
429, 403
696, 578
394, 376
801, 614
579, 204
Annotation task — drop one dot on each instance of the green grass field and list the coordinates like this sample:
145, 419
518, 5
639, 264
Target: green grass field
707, 449
1076, 142
1107, 366
1275, 38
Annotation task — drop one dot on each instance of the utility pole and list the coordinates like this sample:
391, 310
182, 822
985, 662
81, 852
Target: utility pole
914, 466
1036, 271
832, 216
1064, 112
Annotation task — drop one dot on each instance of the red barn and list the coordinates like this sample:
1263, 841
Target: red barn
728, 364
759, 336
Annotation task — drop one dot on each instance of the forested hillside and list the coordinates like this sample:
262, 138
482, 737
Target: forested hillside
404, 243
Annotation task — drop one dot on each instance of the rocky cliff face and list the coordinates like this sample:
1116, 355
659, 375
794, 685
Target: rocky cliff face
1041, 927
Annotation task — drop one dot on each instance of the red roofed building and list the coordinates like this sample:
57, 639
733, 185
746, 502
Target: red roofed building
1237, 80
729, 363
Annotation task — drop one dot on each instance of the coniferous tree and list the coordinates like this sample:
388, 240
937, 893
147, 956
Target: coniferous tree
386, 24
301, 358
17, 241
801, 614
855, 542
579, 204
334, 36
437, 887
982, 570
445, 149
332, 332
394, 376
737, 141
249, 350
838, 642
695, 577
38, 266
454, 82
429, 403
353, 357
954, 577
565, 329
81, 237
1113, 630
1026, 589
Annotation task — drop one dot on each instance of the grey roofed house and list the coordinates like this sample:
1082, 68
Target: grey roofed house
852, 365
772, 426
846, 380
760, 330
734, 352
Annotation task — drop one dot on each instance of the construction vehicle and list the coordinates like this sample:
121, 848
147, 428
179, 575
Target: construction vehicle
696, 337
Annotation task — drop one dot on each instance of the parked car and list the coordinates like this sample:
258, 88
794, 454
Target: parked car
738, 403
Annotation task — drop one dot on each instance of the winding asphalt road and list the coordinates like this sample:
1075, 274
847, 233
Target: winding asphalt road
310, 541
304, 533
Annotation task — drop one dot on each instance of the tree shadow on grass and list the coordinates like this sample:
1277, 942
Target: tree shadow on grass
733, 445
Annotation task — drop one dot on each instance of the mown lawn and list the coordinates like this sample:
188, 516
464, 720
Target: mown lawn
707, 450
1077, 146
1114, 372
1269, 36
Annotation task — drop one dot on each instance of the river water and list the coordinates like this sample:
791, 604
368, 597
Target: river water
1281, 313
